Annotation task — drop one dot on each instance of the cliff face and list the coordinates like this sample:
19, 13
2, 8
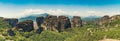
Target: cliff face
39, 21
64, 23
108, 21
25, 26
103, 20
76, 22
55, 23
113, 18
59, 23
50, 23
11, 21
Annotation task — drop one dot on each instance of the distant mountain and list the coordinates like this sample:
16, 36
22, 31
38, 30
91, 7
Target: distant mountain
90, 18
32, 17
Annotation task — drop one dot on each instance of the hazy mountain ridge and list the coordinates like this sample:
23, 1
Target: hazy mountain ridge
34, 16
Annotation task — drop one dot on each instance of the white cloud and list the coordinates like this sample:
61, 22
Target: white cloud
98, 13
58, 12
33, 11
41, 11
73, 10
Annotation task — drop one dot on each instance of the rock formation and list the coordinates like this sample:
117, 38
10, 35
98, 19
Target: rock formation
39, 21
114, 21
103, 20
25, 26
115, 17
76, 22
63, 23
50, 23
11, 21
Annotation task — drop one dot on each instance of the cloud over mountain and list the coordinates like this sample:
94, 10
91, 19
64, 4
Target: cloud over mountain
71, 13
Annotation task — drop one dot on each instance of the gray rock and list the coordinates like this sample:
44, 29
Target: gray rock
25, 26
76, 22
63, 23
11, 21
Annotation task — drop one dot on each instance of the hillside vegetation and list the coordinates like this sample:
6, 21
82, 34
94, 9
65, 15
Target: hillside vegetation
85, 33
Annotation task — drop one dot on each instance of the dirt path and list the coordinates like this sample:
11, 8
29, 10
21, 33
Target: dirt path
109, 40
1, 36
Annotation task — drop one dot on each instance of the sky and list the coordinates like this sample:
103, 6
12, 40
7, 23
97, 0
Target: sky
83, 8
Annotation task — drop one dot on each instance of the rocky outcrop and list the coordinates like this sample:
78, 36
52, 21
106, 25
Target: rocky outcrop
114, 21
11, 21
25, 26
63, 23
50, 23
107, 21
39, 21
106, 17
115, 17
103, 20
76, 22
59, 23
11, 32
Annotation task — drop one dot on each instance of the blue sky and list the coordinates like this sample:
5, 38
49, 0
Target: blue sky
64, 2
18, 8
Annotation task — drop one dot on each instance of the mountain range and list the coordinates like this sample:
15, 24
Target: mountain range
33, 17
